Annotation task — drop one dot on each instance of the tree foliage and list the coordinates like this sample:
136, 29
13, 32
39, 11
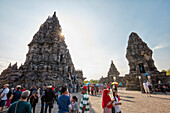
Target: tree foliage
163, 71
168, 72
94, 81
91, 81
85, 82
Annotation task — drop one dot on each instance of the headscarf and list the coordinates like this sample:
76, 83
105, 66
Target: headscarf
106, 99
116, 96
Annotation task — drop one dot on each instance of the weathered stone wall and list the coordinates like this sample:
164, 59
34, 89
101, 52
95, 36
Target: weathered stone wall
48, 60
139, 56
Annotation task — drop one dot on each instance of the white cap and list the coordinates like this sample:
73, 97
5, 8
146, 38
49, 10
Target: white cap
6, 85
18, 86
49, 86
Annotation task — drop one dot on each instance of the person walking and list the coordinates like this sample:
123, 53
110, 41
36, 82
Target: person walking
116, 102
3, 96
21, 106
149, 85
63, 101
16, 95
109, 86
95, 89
91, 89
34, 100
146, 88
88, 88
120, 84
49, 96
8, 103
107, 103
77, 88
84, 104
43, 98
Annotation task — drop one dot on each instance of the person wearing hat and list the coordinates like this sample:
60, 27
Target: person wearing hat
49, 96
16, 95
3, 96
84, 104
21, 106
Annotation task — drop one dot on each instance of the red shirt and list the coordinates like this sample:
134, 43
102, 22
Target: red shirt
91, 88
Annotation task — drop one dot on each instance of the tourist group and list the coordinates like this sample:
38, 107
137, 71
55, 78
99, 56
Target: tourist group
21, 100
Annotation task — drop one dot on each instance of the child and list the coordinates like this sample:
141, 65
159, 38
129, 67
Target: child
34, 100
74, 105
116, 102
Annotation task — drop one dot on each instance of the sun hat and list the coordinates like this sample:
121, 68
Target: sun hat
6, 85
18, 86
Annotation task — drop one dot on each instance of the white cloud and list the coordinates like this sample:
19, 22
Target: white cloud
159, 47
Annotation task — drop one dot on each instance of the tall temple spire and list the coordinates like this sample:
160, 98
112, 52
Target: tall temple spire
139, 55
47, 61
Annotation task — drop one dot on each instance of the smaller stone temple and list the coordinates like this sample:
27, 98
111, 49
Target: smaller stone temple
113, 73
141, 64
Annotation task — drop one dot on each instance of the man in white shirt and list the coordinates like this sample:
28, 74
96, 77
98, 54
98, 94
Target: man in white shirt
3, 96
146, 88
149, 85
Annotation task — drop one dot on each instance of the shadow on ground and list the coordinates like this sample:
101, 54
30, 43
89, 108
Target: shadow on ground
127, 100
126, 96
161, 98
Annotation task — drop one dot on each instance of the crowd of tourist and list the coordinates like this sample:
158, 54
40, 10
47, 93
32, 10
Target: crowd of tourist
22, 100
160, 87
95, 89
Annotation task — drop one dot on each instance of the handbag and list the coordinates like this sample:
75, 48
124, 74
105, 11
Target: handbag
16, 107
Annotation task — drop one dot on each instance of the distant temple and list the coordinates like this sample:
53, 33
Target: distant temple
113, 75
48, 60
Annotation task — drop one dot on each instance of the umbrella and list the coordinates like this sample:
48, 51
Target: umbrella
97, 84
114, 83
87, 84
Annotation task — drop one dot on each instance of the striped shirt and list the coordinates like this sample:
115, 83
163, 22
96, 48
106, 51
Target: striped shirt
84, 102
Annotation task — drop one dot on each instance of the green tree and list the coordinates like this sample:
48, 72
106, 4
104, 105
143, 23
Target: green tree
168, 72
94, 81
86, 81
163, 71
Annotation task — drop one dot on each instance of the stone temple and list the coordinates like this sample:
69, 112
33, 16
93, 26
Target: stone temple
141, 64
113, 72
47, 61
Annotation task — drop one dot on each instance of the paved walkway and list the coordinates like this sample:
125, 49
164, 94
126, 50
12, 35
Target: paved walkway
132, 102
136, 102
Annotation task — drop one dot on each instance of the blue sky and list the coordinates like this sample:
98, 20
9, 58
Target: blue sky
96, 31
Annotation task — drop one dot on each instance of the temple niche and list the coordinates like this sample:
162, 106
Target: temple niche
48, 59
139, 56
